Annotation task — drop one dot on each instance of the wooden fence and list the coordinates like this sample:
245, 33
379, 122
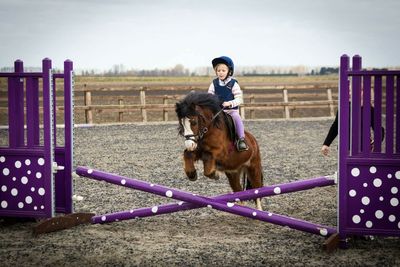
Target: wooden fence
163, 99
119, 102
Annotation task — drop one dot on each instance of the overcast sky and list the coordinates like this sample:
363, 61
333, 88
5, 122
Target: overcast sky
149, 34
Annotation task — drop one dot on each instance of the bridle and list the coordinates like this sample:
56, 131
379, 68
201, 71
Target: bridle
202, 131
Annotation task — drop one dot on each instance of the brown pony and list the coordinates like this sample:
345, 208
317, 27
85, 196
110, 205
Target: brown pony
207, 137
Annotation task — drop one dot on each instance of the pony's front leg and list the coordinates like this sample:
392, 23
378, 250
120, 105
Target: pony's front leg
209, 166
189, 157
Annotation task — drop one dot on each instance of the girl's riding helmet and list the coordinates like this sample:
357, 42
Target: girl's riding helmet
224, 60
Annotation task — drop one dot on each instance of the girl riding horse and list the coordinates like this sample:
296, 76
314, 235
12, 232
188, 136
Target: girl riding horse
204, 125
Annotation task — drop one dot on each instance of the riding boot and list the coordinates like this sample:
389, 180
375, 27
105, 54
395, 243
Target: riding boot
241, 145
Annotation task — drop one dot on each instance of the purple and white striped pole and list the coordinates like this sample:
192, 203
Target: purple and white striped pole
238, 196
201, 201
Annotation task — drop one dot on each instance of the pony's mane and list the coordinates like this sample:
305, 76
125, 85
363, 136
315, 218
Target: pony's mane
186, 107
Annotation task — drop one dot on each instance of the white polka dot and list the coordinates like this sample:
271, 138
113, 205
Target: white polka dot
18, 164
352, 193
180, 203
123, 181
20, 205
381, 198
394, 202
355, 172
27, 162
6, 171
368, 224
256, 192
394, 190
38, 175
365, 200
4, 204
389, 176
392, 218
154, 209
103, 218
35, 207
2, 159
397, 175
42, 207
254, 213
90, 171
41, 191
14, 179
356, 219
372, 169
323, 231
277, 190
237, 199
28, 172
14, 192
32, 189
269, 214
377, 182
365, 184
151, 185
24, 180
230, 204
4, 188
379, 214
398, 225
362, 211
169, 193
40, 161
28, 200
209, 206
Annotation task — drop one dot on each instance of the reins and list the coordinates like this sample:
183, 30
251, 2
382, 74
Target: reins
205, 129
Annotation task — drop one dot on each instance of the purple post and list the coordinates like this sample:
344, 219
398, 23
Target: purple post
203, 201
32, 111
16, 106
355, 107
368, 182
48, 137
389, 114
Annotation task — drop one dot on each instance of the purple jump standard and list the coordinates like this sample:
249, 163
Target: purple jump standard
202, 201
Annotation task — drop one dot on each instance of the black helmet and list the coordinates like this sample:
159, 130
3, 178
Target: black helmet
224, 60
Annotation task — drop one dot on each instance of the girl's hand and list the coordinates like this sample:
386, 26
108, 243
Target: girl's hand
226, 104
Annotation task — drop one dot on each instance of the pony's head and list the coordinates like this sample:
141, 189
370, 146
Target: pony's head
196, 113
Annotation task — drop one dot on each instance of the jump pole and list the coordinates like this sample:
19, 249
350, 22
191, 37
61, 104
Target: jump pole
265, 191
202, 201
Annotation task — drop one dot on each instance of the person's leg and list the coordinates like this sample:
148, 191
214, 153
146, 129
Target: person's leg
241, 145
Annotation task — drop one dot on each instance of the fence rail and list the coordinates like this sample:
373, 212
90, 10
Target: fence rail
95, 100
251, 101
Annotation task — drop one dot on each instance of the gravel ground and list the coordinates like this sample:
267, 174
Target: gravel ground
202, 237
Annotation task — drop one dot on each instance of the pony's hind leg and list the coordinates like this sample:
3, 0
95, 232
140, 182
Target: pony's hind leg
234, 182
255, 177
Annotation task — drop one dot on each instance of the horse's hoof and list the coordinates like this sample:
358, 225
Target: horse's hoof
214, 176
192, 176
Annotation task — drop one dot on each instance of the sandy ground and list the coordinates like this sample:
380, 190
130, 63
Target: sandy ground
202, 237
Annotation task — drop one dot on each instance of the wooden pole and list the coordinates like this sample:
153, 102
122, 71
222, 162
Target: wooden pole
286, 100
143, 103
88, 103
331, 108
120, 113
165, 112
252, 101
